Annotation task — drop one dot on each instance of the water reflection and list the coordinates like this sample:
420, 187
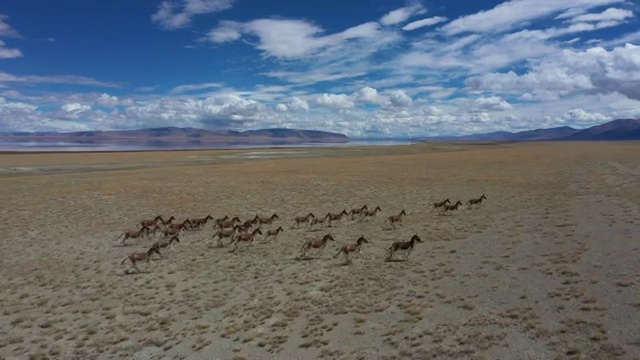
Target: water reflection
88, 145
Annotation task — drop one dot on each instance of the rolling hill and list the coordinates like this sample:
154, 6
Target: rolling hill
177, 135
621, 129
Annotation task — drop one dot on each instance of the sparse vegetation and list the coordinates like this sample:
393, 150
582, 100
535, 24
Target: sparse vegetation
505, 266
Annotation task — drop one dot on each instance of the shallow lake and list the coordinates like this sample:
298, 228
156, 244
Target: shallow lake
160, 145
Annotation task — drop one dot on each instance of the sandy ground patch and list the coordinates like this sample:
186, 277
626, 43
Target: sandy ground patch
547, 267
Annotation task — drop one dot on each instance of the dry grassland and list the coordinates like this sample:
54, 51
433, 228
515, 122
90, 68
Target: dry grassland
547, 268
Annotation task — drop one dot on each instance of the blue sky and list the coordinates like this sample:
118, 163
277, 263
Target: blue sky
363, 68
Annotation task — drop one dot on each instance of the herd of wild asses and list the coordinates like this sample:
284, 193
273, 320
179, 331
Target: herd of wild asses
238, 231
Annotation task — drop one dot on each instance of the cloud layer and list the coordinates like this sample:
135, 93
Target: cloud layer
171, 15
6, 31
409, 71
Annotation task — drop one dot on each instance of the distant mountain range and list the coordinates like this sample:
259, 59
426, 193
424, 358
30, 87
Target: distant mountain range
176, 135
621, 129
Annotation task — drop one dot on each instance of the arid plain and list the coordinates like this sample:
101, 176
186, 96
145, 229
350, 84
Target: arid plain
548, 267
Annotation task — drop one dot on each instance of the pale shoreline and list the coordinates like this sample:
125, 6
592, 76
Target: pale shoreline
106, 147
546, 267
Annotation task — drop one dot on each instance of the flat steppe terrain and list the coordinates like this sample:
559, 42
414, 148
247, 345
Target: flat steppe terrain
548, 267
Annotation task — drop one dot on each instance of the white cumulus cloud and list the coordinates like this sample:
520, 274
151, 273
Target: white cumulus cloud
171, 15
595, 70
424, 22
366, 95
75, 108
492, 103
518, 65
402, 14
336, 101
400, 99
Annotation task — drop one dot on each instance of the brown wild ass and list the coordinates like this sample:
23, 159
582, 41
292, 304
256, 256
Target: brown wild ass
337, 216
161, 244
168, 221
245, 237
371, 213
151, 222
267, 220
320, 221
358, 211
200, 222
173, 230
393, 219
437, 205
331, 217
273, 233
134, 234
316, 244
154, 231
447, 207
352, 247
228, 223
253, 221
141, 256
226, 233
477, 201
246, 225
404, 246
303, 219
218, 220
186, 224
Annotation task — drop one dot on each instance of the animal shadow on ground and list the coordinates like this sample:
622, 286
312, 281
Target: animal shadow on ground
343, 263
119, 244
307, 258
129, 272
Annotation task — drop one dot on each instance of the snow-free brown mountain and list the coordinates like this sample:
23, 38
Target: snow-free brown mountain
178, 135
621, 129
